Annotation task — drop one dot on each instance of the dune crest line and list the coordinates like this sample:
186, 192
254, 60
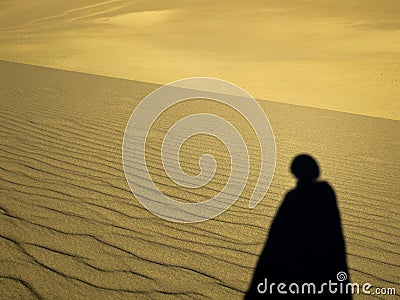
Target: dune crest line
71, 228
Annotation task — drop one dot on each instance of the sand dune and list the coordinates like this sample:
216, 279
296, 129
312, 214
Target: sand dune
313, 53
71, 228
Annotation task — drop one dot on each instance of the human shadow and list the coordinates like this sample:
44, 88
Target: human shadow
305, 244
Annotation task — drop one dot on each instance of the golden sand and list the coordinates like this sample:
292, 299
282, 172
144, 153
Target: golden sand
71, 228
341, 55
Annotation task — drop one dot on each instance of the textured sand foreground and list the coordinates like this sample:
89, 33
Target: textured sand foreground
71, 228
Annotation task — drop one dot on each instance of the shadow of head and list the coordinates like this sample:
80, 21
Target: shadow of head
305, 168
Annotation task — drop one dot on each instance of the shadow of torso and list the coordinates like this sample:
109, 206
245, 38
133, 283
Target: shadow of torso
305, 245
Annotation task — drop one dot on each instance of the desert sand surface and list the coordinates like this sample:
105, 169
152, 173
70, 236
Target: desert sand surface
341, 55
70, 228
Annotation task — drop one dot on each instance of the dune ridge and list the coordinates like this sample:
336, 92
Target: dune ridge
71, 228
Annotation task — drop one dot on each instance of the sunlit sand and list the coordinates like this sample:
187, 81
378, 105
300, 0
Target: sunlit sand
341, 55
71, 228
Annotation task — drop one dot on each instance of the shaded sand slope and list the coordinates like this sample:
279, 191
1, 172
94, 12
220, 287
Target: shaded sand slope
71, 228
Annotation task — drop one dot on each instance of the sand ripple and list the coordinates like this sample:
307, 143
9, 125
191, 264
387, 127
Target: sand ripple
71, 228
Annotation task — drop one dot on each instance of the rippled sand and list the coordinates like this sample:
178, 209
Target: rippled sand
71, 228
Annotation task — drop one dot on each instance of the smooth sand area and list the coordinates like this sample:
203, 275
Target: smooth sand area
70, 228
341, 55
